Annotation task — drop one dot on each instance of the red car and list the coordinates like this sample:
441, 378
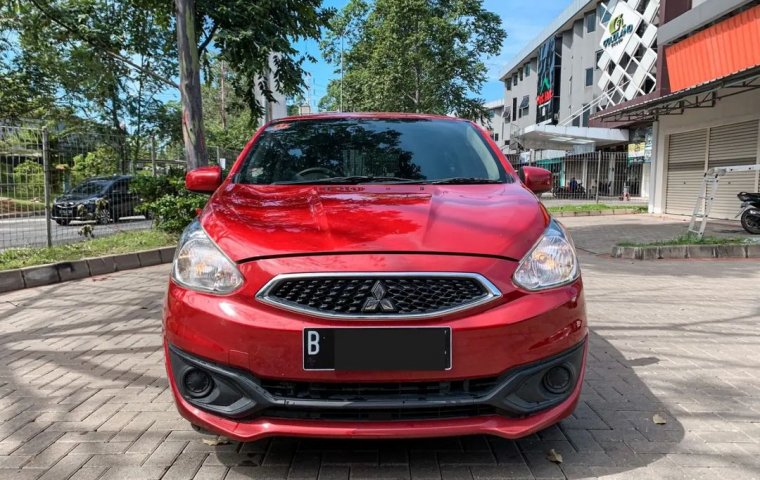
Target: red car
374, 276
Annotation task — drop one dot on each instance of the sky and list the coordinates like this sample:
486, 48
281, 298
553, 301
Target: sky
522, 19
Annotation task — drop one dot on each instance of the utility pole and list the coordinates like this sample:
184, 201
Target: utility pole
341, 71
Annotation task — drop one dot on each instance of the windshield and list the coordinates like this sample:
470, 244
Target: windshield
369, 150
90, 187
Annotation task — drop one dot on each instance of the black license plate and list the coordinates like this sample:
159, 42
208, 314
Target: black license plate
377, 349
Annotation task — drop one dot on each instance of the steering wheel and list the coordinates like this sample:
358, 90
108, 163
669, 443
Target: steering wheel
315, 173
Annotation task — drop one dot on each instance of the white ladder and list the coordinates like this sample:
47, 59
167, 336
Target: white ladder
704, 200
708, 193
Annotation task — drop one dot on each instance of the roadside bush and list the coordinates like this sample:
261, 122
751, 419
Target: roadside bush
166, 200
29, 180
102, 161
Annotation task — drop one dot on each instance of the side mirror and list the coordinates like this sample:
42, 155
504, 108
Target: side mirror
538, 180
204, 179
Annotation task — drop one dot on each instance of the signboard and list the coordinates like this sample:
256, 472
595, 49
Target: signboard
624, 22
640, 148
549, 70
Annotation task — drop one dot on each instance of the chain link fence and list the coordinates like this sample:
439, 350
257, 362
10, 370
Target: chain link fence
596, 177
62, 187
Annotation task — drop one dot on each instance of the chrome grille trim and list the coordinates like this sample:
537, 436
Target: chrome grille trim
492, 293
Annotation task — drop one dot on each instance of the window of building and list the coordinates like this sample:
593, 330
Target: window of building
589, 77
586, 115
591, 22
521, 74
509, 84
598, 57
514, 109
527, 69
577, 122
525, 106
496, 137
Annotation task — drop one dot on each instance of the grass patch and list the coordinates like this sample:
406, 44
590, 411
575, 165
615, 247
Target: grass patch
691, 240
12, 205
124, 242
596, 207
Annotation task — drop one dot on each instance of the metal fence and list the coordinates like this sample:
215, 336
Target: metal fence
596, 177
37, 168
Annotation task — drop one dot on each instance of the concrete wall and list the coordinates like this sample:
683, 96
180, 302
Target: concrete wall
578, 53
736, 109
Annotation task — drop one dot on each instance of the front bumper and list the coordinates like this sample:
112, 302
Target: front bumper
252, 346
260, 407
66, 212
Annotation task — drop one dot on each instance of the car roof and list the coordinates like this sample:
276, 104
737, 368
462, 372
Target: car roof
112, 178
368, 115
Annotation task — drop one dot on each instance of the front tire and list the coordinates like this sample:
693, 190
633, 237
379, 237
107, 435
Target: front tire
751, 222
103, 216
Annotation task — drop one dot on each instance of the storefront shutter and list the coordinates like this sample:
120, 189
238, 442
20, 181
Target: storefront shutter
686, 168
733, 145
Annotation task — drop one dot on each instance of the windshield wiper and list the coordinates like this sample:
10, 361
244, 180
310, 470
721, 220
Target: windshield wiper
354, 180
462, 181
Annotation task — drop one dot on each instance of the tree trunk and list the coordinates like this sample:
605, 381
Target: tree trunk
190, 86
223, 106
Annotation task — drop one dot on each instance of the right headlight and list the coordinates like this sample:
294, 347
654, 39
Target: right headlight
551, 263
200, 265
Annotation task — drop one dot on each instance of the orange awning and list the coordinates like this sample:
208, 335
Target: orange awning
728, 47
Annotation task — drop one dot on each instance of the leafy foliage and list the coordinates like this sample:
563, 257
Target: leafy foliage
413, 55
102, 161
29, 179
167, 201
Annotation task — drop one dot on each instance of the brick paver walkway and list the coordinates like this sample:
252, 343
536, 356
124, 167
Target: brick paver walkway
83, 392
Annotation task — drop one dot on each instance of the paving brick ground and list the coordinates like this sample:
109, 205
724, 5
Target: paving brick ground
599, 234
83, 393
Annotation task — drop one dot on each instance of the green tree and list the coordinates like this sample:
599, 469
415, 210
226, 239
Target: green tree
29, 179
100, 162
412, 55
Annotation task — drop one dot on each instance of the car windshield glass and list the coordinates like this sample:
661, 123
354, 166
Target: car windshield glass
90, 187
354, 151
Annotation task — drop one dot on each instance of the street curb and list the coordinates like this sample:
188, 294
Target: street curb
40, 275
599, 213
681, 252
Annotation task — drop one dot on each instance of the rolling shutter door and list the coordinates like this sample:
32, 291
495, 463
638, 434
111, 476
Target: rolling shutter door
686, 169
733, 145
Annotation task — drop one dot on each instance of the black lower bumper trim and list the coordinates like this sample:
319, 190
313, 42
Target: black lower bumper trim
238, 394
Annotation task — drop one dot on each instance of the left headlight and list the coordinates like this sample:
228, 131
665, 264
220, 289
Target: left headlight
200, 265
551, 263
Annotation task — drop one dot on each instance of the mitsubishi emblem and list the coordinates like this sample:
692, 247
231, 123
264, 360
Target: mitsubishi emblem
378, 302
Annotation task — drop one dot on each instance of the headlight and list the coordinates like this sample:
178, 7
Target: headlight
551, 263
200, 265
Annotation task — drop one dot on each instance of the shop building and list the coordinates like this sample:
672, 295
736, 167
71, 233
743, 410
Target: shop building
595, 56
706, 110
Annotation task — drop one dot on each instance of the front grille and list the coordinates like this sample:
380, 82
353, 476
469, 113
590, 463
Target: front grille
363, 295
381, 414
379, 391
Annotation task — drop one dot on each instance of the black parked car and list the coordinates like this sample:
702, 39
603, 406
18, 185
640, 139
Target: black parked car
81, 202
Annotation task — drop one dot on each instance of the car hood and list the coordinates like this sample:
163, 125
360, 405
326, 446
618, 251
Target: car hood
249, 221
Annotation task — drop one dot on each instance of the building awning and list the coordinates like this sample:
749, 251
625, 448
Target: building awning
555, 137
698, 96
525, 102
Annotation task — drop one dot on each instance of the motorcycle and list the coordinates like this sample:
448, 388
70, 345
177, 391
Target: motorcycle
750, 212
567, 192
